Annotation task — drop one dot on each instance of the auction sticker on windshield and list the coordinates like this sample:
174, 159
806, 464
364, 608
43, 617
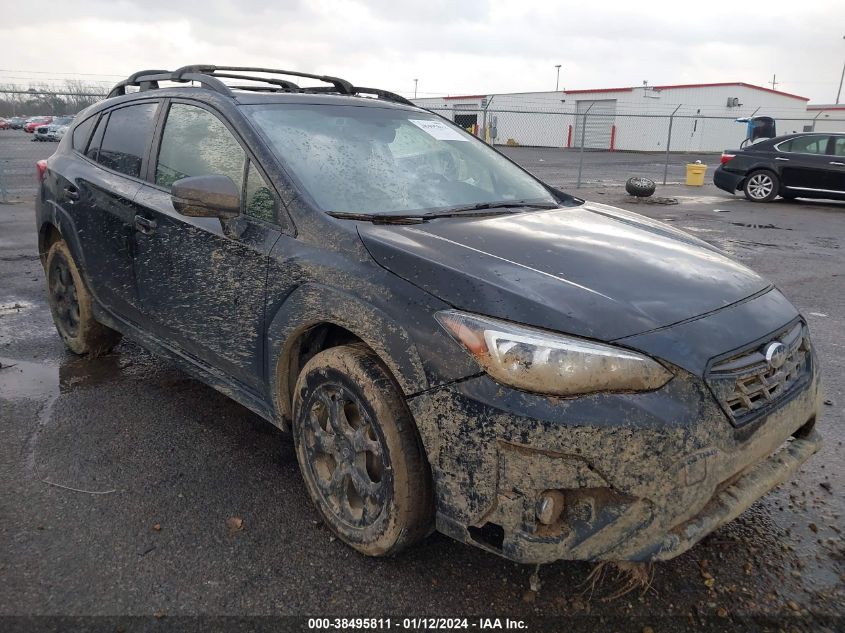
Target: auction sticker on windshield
439, 130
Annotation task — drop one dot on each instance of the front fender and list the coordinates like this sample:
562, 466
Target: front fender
314, 304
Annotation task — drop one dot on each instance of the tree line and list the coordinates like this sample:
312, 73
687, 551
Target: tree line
47, 98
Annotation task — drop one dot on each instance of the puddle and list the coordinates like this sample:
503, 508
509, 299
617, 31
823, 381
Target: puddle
23, 379
38, 380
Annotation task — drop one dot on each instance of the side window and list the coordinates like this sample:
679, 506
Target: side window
196, 143
809, 145
839, 146
124, 143
94, 145
82, 132
260, 201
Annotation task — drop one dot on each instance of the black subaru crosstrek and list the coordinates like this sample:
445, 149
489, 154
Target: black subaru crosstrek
452, 343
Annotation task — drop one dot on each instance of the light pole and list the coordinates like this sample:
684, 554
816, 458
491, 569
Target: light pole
557, 81
415, 88
841, 77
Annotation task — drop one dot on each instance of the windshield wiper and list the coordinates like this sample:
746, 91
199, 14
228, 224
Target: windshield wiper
468, 209
378, 218
484, 206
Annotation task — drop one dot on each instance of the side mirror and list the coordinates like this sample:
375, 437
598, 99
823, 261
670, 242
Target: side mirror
206, 197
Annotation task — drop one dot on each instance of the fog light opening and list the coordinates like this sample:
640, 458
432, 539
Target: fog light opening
488, 534
806, 430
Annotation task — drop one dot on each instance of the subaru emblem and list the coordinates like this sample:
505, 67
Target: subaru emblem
776, 355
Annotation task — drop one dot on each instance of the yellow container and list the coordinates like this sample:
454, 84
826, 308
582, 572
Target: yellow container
695, 174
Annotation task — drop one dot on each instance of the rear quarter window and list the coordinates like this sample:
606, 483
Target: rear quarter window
127, 134
82, 132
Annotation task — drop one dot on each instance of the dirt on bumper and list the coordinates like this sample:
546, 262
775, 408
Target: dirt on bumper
614, 477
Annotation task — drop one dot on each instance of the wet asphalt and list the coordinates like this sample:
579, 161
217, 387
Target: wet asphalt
120, 478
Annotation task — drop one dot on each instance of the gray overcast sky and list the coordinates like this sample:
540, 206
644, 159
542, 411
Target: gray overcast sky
451, 46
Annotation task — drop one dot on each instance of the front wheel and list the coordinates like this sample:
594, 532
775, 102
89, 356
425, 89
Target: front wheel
761, 186
359, 452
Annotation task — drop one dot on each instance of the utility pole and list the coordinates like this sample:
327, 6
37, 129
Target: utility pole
841, 77
774, 82
415, 88
557, 81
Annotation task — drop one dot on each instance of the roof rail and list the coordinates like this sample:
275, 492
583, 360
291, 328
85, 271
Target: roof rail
209, 77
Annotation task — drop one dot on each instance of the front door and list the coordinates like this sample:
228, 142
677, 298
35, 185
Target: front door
202, 284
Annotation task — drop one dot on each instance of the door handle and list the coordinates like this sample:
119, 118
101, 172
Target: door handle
145, 225
71, 193
833, 162
779, 158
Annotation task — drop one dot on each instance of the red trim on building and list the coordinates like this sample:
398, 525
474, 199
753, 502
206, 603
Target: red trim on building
732, 83
569, 137
681, 86
465, 97
575, 92
612, 138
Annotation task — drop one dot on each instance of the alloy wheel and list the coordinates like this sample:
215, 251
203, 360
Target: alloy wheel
346, 456
760, 186
64, 295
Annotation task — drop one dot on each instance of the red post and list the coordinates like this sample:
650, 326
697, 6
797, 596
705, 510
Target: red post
612, 138
569, 137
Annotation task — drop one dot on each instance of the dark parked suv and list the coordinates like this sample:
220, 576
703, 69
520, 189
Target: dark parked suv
451, 342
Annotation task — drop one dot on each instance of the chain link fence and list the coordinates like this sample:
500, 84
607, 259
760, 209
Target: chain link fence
593, 145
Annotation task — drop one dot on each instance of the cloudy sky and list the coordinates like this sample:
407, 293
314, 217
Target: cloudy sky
451, 46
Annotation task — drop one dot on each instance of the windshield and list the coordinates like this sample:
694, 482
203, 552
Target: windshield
384, 160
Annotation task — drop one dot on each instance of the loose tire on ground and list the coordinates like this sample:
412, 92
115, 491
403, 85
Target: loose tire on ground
761, 185
70, 305
359, 452
640, 187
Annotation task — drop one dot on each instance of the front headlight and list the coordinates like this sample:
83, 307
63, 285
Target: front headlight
549, 363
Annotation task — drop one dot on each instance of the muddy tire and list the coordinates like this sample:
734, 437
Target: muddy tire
359, 452
640, 187
761, 186
70, 305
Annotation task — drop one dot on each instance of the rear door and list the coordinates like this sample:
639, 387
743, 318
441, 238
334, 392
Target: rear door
202, 282
100, 193
805, 163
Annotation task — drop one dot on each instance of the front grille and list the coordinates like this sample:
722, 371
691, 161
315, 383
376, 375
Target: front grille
747, 385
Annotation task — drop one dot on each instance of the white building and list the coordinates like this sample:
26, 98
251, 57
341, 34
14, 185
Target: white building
703, 116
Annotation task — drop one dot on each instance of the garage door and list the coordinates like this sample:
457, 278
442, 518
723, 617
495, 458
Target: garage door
599, 121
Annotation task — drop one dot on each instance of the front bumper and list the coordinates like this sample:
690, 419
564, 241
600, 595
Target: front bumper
641, 476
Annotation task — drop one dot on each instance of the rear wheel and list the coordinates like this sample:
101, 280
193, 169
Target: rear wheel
761, 186
359, 452
70, 305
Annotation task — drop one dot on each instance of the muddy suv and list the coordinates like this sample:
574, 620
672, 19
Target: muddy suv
451, 342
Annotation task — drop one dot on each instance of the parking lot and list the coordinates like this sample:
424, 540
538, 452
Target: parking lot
131, 489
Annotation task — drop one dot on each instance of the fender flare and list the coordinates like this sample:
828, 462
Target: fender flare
314, 304
61, 220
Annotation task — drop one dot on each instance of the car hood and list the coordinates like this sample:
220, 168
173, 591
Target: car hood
592, 270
